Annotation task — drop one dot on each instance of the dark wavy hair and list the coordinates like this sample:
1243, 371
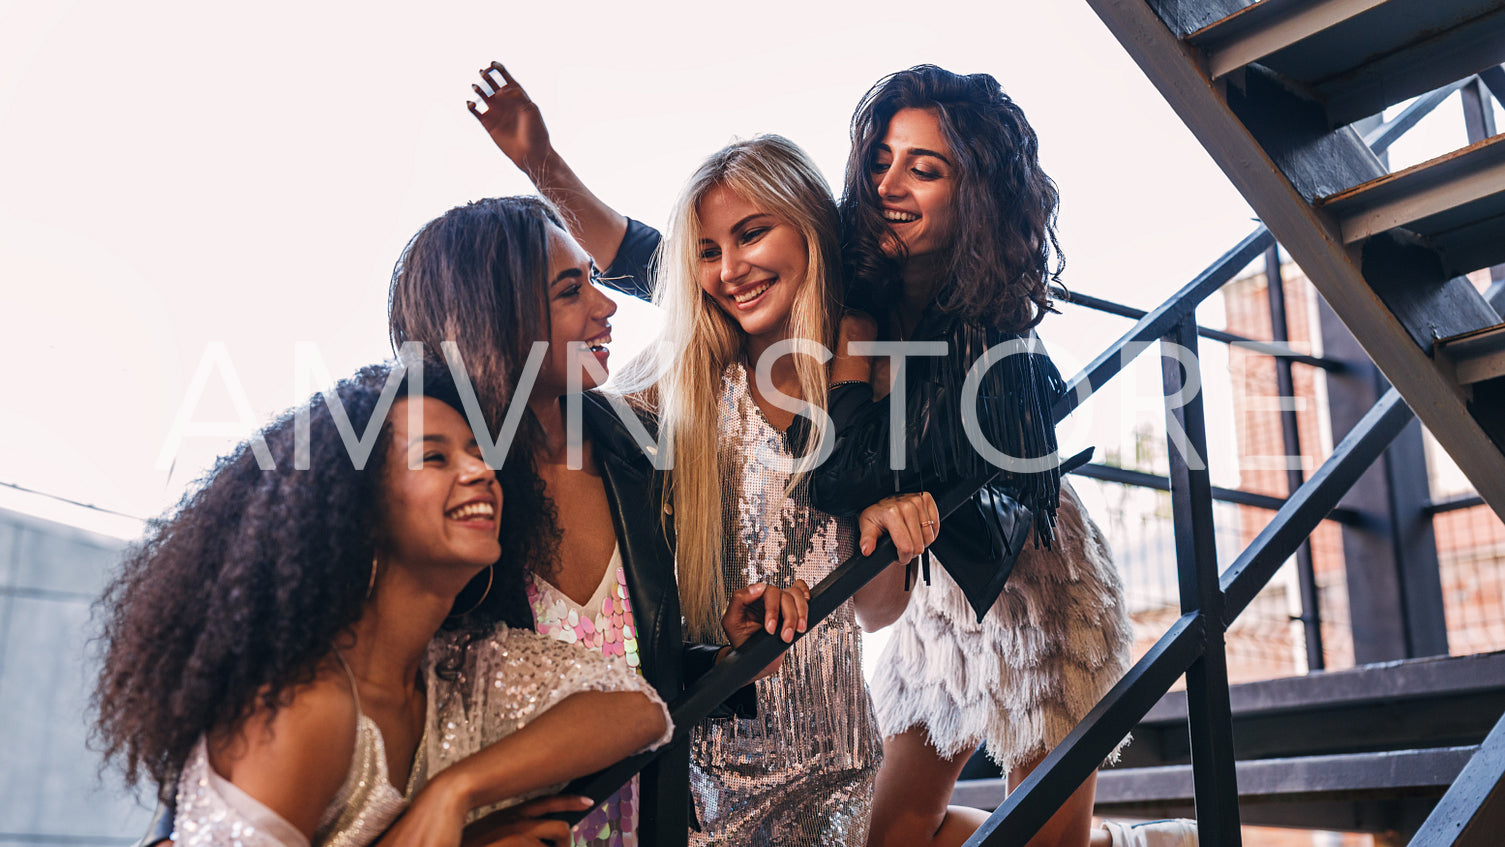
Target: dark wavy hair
234, 597
478, 276
1004, 254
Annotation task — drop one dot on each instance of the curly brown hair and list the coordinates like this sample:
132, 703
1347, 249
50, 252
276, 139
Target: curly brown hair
1004, 253
234, 597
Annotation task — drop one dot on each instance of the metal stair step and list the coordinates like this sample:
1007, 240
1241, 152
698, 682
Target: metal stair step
1258, 30
1385, 773
1415, 703
1456, 202
1476, 356
1358, 56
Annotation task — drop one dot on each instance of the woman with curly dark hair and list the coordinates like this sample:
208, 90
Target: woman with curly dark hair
949, 230
270, 650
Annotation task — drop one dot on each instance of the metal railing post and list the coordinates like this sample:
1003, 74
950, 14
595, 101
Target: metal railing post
1209, 713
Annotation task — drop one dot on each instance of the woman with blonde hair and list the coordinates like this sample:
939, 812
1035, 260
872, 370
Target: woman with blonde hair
749, 282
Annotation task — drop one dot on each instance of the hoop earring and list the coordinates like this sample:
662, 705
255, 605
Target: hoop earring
490, 578
371, 584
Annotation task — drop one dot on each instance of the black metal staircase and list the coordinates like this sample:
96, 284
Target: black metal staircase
1273, 90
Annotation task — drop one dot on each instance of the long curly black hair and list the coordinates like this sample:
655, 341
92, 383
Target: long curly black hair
478, 276
1004, 253
234, 597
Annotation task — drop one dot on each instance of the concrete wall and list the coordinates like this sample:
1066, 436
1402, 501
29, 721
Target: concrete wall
51, 790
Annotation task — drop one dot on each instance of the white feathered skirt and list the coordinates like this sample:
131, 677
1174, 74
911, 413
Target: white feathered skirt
1057, 639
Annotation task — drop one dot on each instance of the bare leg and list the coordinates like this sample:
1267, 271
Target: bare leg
910, 800
1071, 825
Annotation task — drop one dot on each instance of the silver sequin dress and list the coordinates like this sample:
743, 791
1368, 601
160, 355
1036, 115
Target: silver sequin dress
505, 681
801, 773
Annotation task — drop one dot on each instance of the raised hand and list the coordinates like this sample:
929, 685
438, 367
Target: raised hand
512, 119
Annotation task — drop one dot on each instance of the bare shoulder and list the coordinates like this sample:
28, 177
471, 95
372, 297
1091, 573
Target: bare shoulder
294, 760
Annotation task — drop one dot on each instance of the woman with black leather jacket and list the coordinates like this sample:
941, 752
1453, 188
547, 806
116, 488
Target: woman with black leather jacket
950, 237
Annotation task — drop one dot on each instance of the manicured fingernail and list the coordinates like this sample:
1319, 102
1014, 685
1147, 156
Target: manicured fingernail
770, 627
586, 801
788, 635
803, 626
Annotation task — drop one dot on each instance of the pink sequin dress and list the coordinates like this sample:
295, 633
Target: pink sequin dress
603, 625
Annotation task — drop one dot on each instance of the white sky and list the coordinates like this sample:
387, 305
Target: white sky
175, 174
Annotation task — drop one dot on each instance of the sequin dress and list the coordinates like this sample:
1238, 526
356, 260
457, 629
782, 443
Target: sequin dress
503, 682
213, 812
604, 625
801, 772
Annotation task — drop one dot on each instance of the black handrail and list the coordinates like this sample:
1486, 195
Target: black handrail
1126, 476
1161, 320
1253, 345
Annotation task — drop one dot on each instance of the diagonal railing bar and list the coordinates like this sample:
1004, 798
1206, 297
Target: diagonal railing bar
1125, 476
1161, 320
1253, 345
1472, 810
1030, 805
1381, 137
1306, 508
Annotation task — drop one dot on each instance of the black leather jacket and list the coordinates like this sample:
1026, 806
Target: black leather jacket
978, 543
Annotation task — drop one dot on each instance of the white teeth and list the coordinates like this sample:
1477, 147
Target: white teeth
472, 510
748, 295
597, 344
900, 217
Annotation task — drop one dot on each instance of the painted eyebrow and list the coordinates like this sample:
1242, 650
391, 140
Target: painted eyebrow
917, 151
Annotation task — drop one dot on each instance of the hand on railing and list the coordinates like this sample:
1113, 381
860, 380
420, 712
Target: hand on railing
761, 607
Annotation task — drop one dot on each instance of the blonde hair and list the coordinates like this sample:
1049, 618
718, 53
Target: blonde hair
700, 341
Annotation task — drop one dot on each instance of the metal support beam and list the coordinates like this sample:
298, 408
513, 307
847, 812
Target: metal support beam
1479, 123
1394, 588
1209, 716
1290, 432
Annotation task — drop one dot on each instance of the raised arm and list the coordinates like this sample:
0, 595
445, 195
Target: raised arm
514, 122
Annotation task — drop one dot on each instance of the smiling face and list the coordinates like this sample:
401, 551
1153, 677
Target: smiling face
441, 504
578, 318
751, 263
914, 174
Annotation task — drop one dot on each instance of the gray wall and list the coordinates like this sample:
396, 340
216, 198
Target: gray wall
51, 789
